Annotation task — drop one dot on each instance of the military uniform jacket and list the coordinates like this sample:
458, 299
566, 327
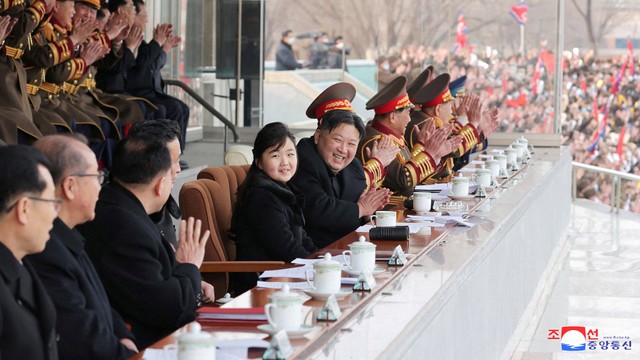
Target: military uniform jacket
409, 168
27, 315
13, 90
87, 326
329, 216
154, 294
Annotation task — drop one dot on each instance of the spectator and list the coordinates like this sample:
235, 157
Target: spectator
285, 59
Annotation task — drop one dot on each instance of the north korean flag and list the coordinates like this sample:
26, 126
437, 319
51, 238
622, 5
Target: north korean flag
519, 13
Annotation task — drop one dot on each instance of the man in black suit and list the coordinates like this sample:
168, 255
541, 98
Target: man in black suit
155, 290
87, 326
27, 209
339, 191
145, 78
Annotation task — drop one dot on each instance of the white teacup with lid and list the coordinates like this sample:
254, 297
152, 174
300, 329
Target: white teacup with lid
327, 275
482, 176
494, 166
196, 344
520, 147
502, 159
459, 186
512, 155
285, 310
362, 255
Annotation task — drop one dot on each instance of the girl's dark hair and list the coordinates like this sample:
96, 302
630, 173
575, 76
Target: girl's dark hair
274, 134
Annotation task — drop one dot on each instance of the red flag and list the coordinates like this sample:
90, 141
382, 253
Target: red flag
549, 61
620, 147
631, 60
461, 33
519, 13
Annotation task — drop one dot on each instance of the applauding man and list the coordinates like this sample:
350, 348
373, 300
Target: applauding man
154, 289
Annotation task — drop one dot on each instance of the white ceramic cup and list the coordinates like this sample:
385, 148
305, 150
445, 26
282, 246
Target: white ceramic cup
284, 312
459, 186
327, 276
362, 255
384, 218
502, 159
512, 155
494, 166
421, 201
482, 177
196, 344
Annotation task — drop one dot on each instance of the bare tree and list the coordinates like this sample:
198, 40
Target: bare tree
598, 26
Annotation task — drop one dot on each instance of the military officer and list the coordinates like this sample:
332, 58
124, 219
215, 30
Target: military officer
17, 124
412, 165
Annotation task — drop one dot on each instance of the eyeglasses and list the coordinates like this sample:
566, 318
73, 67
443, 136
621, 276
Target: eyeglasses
100, 176
57, 203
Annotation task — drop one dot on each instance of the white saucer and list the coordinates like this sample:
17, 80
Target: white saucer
324, 296
461, 198
376, 271
292, 334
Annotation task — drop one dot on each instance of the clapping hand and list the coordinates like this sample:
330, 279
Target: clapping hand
384, 150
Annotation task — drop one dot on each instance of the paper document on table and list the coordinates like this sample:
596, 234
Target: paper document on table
468, 170
302, 285
226, 350
296, 272
432, 187
457, 219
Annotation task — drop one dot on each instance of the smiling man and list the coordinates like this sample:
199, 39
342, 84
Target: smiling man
339, 192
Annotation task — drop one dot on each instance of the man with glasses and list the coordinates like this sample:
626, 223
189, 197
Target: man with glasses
87, 326
27, 209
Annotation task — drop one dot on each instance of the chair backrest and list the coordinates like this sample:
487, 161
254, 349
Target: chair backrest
196, 201
229, 177
238, 155
223, 212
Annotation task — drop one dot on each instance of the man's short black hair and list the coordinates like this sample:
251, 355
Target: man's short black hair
20, 174
114, 5
144, 153
335, 118
137, 4
286, 33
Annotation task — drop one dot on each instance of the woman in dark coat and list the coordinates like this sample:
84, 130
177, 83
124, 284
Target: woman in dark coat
267, 222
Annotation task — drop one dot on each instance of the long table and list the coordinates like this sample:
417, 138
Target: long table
462, 293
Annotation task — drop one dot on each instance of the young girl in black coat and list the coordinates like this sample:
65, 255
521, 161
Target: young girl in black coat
267, 222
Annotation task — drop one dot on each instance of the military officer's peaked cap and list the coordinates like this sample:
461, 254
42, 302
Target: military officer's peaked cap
434, 93
457, 86
95, 4
419, 82
336, 97
391, 97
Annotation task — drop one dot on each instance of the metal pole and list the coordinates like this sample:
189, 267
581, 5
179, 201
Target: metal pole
522, 40
238, 62
574, 190
261, 71
344, 58
558, 73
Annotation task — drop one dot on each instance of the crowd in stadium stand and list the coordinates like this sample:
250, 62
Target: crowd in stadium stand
599, 119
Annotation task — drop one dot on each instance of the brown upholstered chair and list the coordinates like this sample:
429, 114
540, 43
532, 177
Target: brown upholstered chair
206, 200
230, 177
